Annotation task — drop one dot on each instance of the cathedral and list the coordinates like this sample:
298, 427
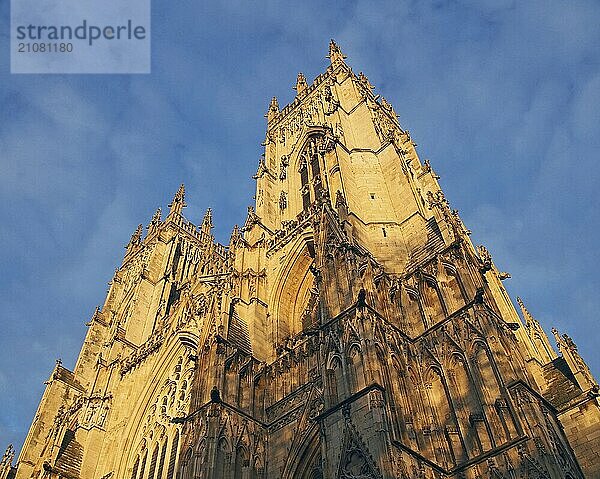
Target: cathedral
349, 329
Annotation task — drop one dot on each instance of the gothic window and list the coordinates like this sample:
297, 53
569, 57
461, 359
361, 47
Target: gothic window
310, 166
488, 382
176, 258
135, 468
199, 458
441, 410
490, 390
244, 391
153, 463
259, 396
454, 290
356, 369
161, 463
173, 456
435, 309
187, 467
411, 309
241, 463
143, 466
282, 201
334, 374
316, 171
465, 398
305, 188
316, 473
256, 471
220, 466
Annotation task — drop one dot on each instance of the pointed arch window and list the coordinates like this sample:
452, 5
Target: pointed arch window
135, 468
173, 456
143, 467
153, 463
161, 464
310, 173
241, 463
220, 463
305, 188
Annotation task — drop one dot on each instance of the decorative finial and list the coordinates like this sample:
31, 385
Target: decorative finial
301, 84
234, 238
136, 238
335, 53
137, 234
251, 219
235, 233
530, 321
273, 109
557, 337
155, 221
178, 202
157, 215
7, 458
207, 223
364, 81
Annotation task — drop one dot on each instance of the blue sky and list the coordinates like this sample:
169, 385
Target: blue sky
502, 96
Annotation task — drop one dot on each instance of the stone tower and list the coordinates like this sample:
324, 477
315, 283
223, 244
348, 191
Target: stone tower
348, 330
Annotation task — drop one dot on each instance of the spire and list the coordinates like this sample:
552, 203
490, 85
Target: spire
537, 335
178, 202
529, 320
234, 238
301, 84
6, 461
557, 337
136, 238
235, 233
335, 53
157, 215
207, 223
251, 219
273, 109
576, 364
155, 221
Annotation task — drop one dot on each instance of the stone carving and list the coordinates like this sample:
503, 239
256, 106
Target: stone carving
6, 462
284, 163
486, 259
155, 222
364, 81
330, 103
282, 201
356, 462
145, 350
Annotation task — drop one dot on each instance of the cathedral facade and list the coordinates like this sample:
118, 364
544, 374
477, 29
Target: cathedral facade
350, 329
